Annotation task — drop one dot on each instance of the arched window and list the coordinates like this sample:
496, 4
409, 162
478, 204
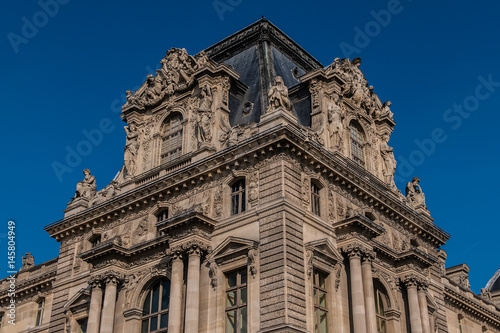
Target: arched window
381, 305
163, 215
357, 143
171, 136
39, 312
315, 198
238, 197
155, 308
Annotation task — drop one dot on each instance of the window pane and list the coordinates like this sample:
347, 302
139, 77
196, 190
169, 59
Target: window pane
243, 275
243, 296
144, 326
243, 201
322, 281
243, 321
164, 320
165, 295
315, 296
231, 322
145, 308
322, 299
322, 322
235, 200
154, 324
231, 280
156, 298
316, 314
38, 319
231, 298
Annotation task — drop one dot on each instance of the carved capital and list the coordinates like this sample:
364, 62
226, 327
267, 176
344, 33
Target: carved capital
95, 281
196, 247
423, 285
411, 281
355, 250
176, 253
113, 277
368, 256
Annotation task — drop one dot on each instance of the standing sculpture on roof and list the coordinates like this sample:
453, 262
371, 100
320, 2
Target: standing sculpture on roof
414, 194
335, 120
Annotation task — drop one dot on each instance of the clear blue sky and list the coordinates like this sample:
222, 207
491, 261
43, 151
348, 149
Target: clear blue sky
71, 72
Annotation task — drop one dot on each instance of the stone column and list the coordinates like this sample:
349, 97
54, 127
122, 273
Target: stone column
424, 312
415, 320
176, 283
95, 306
108, 310
193, 290
371, 315
354, 252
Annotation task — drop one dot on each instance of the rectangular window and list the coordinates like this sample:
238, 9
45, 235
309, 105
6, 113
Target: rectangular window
315, 199
320, 305
238, 199
39, 312
236, 301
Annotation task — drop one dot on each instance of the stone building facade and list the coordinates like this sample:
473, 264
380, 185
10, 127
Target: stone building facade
257, 195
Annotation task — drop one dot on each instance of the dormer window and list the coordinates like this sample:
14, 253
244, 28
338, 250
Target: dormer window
357, 144
162, 216
171, 136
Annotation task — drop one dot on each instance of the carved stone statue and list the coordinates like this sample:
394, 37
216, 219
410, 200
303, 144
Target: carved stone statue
87, 187
204, 117
28, 261
385, 111
131, 148
387, 153
278, 95
335, 117
414, 194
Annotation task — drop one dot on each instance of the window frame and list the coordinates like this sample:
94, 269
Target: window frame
162, 215
238, 305
381, 305
318, 290
160, 312
240, 195
40, 312
168, 150
358, 139
315, 198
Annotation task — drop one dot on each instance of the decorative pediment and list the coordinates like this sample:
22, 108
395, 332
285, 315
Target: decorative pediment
231, 248
79, 301
322, 253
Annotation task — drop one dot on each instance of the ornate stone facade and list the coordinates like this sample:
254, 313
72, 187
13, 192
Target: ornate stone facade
257, 195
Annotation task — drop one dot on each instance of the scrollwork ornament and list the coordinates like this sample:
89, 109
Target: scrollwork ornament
310, 259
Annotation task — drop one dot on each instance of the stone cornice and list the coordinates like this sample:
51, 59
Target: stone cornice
110, 249
472, 306
280, 138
